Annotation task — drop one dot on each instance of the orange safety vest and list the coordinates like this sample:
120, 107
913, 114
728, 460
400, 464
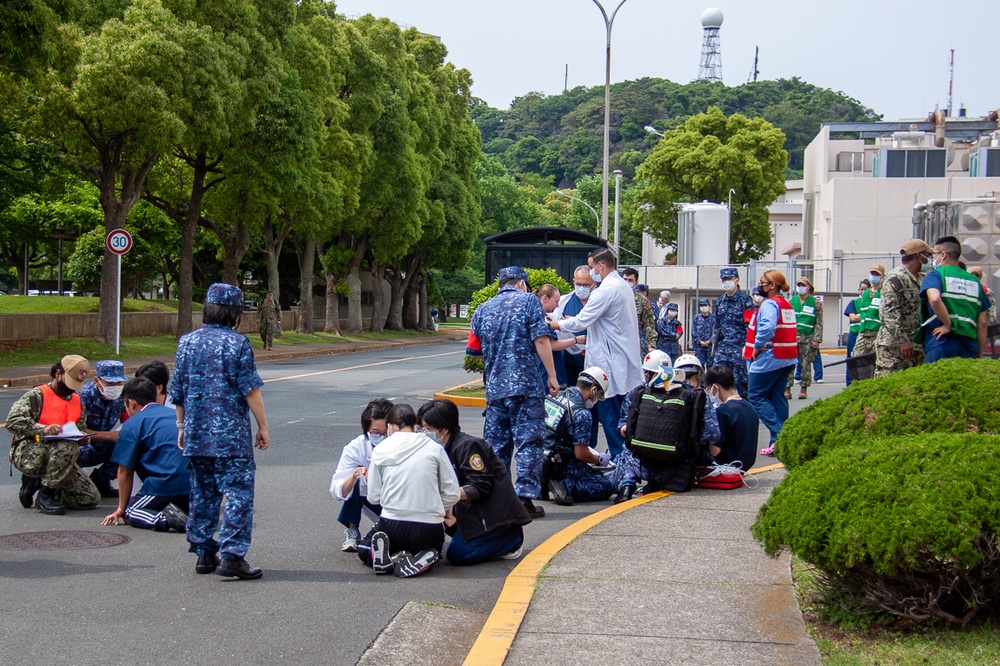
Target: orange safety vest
58, 410
784, 344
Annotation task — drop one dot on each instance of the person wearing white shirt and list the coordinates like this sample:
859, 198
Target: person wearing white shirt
612, 326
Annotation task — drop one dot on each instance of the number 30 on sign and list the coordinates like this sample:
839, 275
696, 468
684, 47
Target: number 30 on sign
119, 241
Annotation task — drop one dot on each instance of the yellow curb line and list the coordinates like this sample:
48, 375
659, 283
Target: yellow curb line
497, 635
459, 400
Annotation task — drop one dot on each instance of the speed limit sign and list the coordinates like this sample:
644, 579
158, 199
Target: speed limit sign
119, 241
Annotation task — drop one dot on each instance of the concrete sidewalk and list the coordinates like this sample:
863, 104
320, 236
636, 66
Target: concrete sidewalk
678, 580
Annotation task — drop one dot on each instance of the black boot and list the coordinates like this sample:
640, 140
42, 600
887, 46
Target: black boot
207, 563
29, 486
625, 493
239, 568
48, 504
533, 511
103, 485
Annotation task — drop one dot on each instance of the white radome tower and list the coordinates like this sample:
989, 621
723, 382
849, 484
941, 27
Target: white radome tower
710, 68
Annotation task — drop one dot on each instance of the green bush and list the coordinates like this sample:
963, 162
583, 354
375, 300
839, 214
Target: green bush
906, 525
953, 395
536, 278
474, 364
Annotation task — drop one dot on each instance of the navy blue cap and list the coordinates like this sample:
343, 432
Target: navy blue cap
756, 292
512, 273
672, 306
703, 301
112, 372
729, 272
221, 293
642, 287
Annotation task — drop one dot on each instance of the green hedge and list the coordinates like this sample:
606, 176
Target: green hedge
907, 525
953, 395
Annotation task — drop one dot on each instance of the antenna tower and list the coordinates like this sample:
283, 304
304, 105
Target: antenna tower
951, 78
710, 68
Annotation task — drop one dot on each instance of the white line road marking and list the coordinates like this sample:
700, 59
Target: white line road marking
358, 367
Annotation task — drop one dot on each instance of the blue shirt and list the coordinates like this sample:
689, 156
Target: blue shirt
767, 321
508, 325
572, 308
731, 321
214, 372
702, 330
738, 424
102, 415
147, 443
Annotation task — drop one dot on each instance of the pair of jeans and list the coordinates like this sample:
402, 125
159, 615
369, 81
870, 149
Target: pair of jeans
950, 346
610, 410
851, 339
489, 546
767, 395
350, 513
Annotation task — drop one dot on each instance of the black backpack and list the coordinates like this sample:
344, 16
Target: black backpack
664, 426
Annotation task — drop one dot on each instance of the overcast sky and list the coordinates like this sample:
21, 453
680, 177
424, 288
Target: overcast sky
889, 54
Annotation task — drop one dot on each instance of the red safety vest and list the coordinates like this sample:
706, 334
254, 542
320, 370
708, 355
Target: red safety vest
784, 344
56, 410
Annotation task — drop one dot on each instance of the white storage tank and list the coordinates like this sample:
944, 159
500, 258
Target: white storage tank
703, 235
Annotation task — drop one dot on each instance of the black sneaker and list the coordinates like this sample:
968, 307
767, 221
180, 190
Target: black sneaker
239, 568
533, 511
48, 504
559, 493
381, 560
625, 493
176, 518
29, 486
422, 562
207, 563
103, 485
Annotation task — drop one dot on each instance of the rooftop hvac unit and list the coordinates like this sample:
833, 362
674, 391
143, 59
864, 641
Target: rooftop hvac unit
910, 163
850, 161
985, 163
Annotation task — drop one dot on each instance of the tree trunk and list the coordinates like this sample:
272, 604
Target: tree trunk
355, 324
378, 298
307, 266
235, 241
332, 305
411, 303
396, 284
422, 308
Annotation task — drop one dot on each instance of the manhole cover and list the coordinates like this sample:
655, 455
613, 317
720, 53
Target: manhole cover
62, 540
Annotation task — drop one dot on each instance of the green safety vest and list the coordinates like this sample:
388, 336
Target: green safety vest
855, 326
871, 302
962, 295
805, 314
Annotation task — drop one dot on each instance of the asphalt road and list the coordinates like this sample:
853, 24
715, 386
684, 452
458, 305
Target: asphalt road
142, 603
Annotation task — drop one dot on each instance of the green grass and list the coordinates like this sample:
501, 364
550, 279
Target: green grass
868, 644
60, 304
474, 391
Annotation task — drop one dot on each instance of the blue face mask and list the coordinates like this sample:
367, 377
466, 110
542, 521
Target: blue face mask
375, 440
875, 279
594, 275
583, 293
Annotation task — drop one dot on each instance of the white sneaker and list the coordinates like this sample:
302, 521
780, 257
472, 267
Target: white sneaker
819, 381
381, 561
415, 565
514, 555
351, 536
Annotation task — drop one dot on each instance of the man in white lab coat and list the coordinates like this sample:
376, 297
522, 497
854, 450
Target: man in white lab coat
612, 337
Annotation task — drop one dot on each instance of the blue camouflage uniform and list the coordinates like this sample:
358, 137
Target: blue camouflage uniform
670, 332
102, 416
703, 330
214, 373
583, 482
507, 325
732, 317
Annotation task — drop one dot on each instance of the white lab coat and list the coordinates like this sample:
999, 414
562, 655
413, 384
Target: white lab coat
612, 333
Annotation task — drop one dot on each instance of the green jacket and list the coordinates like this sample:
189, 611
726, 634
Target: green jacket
805, 314
871, 320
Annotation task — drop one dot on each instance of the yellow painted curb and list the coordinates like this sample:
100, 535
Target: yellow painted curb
462, 401
497, 635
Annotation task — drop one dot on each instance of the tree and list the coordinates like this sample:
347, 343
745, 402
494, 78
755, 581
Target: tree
702, 161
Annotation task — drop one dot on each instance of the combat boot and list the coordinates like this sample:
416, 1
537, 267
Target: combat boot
48, 504
239, 568
788, 394
802, 394
29, 486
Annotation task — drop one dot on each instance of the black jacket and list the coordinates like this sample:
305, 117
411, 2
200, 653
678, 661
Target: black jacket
492, 503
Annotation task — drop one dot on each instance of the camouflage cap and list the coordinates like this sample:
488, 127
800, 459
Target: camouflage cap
672, 306
512, 273
221, 293
729, 272
703, 302
110, 372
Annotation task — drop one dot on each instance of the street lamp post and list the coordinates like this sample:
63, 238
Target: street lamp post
608, 23
618, 198
570, 196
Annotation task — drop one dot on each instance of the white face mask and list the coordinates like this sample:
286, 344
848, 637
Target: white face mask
375, 440
713, 393
705, 309
758, 299
671, 314
583, 293
729, 285
594, 275
111, 391
800, 290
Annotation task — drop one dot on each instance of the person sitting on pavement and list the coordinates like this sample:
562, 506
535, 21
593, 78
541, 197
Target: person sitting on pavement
48, 463
350, 482
487, 523
569, 472
102, 401
738, 422
157, 372
147, 446
670, 426
413, 480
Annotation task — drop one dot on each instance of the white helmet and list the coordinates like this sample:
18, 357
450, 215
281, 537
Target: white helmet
655, 359
599, 376
689, 362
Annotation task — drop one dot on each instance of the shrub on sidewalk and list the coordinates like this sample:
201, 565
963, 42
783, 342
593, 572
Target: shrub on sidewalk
953, 395
905, 525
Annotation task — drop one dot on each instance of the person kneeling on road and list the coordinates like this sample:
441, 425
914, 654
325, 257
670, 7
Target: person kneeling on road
488, 519
147, 445
568, 471
411, 477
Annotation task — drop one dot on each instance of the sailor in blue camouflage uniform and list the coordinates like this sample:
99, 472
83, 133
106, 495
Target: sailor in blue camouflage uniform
215, 388
571, 476
514, 334
732, 317
703, 332
104, 407
670, 331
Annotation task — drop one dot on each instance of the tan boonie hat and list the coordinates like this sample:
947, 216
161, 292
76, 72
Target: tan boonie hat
877, 268
913, 246
75, 371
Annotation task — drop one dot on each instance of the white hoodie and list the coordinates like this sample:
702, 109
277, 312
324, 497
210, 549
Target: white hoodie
412, 478
357, 453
